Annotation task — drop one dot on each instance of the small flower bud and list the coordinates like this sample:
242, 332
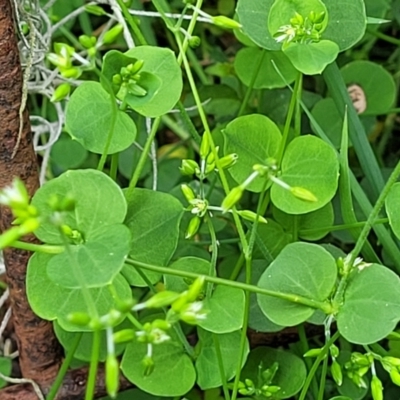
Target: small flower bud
232, 198
189, 167
188, 192
61, 92
79, 318
334, 350
161, 299
195, 289
112, 375
360, 359
303, 194
136, 66
376, 388
392, 360
95, 10
205, 145
111, 35
395, 376
251, 216
148, 365
73, 72
87, 41
312, 353
194, 42
193, 313
124, 335
228, 161
225, 22
193, 227
336, 371
136, 90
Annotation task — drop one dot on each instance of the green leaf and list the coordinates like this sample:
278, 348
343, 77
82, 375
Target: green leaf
253, 15
5, 369
311, 164
371, 308
66, 301
88, 120
99, 203
377, 85
153, 219
113, 61
347, 22
283, 10
392, 208
290, 375
225, 310
162, 63
67, 153
324, 217
301, 269
312, 58
173, 374
188, 264
208, 372
94, 263
267, 77
253, 138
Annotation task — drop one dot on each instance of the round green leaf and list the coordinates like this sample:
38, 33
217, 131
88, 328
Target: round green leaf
312, 58
113, 61
188, 264
253, 15
208, 373
99, 202
323, 217
67, 153
65, 301
153, 219
162, 63
301, 269
371, 308
267, 76
347, 22
173, 374
311, 164
377, 84
225, 310
290, 375
253, 138
89, 116
392, 208
94, 263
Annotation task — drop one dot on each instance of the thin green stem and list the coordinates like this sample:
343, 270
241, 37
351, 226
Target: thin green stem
384, 37
197, 67
324, 306
374, 213
322, 381
94, 363
249, 89
64, 367
114, 166
132, 23
214, 253
310, 376
221, 365
188, 123
40, 248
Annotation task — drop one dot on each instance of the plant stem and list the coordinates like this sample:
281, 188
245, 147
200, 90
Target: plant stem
324, 306
64, 367
41, 248
221, 365
94, 363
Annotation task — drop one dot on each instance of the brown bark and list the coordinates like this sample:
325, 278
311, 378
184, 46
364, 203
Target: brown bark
40, 353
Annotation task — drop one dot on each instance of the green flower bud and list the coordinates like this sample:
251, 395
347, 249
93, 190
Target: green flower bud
210, 168
64, 50
376, 388
28, 226
205, 145
228, 161
303, 194
61, 92
112, 375
161, 324
392, 360
161, 299
58, 61
249, 383
117, 79
188, 192
395, 376
124, 335
360, 359
87, 41
334, 350
193, 227
194, 42
148, 365
251, 216
95, 10
274, 389
189, 167
195, 289
232, 198
225, 22
112, 35
193, 313
136, 66
312, 353
336, 371
79, 318
73, 72
136, 90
